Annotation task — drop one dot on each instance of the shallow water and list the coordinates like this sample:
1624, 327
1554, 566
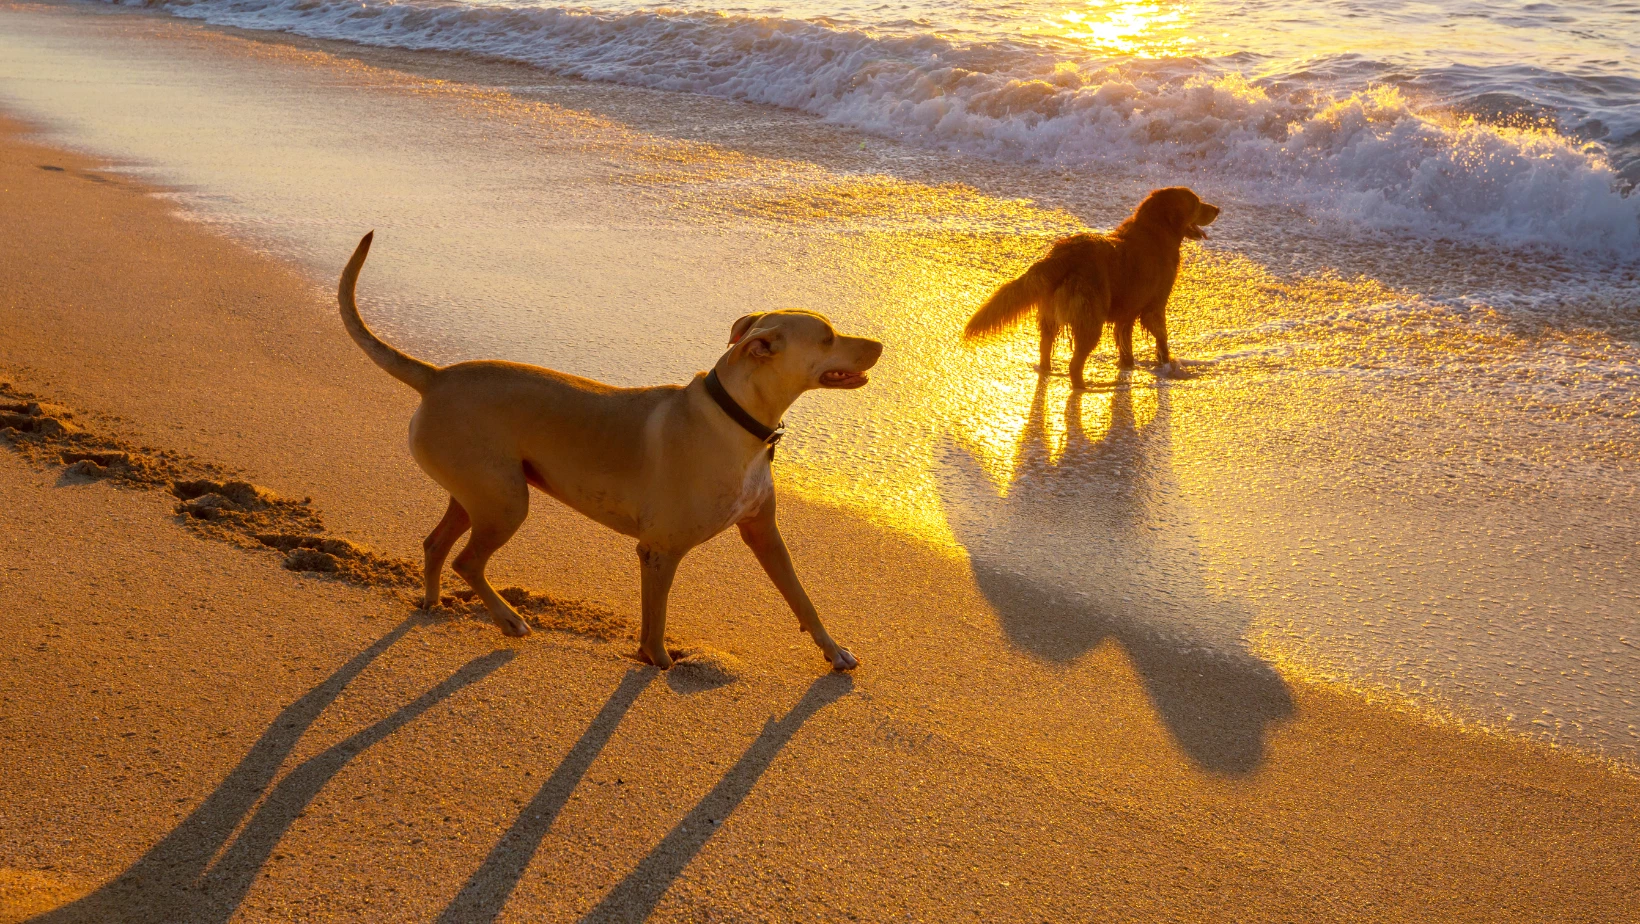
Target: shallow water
1400, 462
1516, 121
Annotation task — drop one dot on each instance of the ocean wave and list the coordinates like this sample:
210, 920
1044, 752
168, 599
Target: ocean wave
1368, 155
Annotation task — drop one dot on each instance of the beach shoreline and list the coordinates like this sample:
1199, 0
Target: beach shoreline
1402, 466
151, 668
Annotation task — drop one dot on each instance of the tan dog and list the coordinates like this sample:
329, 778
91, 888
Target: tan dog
667, 465
1089, 280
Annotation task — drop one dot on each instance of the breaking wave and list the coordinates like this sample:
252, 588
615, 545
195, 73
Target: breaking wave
1368, 154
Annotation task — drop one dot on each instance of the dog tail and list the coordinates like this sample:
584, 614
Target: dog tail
1010, 304
407, 369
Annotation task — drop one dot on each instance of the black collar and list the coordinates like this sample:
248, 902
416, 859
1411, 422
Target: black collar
738, 414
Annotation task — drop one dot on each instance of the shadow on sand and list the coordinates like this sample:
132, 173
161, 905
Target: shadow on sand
487, 890
635, 897
1095, 544
177, 882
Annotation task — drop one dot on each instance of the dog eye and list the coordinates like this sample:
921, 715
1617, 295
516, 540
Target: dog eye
830, 339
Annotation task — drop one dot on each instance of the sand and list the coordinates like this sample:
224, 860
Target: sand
199, 725
1422, 486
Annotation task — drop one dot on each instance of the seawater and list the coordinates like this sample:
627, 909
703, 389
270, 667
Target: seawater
1512, 121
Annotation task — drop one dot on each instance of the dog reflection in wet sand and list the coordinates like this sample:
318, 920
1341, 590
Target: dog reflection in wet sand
670, 465
1094, 543
1089, 280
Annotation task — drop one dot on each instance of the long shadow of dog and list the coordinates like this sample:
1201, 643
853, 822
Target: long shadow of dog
635, 897
486, 891
181, 880
1094, 545
485, 894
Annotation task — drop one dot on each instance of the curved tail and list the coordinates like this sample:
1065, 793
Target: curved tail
407, 369
1010, 304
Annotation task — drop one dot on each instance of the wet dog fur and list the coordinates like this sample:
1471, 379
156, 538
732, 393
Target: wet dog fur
1089, 280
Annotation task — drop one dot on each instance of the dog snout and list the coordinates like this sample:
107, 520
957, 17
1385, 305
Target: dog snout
870, 352
1206, 214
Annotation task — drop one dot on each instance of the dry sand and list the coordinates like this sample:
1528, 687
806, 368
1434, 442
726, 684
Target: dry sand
192, 732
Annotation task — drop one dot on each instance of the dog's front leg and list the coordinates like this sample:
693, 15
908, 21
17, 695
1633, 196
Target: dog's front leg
762, 536
659, 568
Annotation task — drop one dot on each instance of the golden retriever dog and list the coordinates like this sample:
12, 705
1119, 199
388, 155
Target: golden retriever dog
669, 465
1089, 280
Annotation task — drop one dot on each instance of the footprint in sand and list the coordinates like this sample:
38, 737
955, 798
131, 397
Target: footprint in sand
253, 517
696, 670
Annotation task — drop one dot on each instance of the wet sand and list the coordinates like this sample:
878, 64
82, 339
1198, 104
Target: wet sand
195, 733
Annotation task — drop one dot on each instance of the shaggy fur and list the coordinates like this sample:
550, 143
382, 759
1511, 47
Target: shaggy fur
1089, 280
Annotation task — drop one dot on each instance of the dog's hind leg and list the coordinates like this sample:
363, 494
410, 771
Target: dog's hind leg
497, 509
659, 568
1124, 344
437, 547
1049, 325
1084, 338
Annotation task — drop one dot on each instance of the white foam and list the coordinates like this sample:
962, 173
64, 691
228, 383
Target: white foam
1364, 155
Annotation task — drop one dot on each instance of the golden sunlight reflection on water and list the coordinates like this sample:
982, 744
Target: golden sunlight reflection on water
1141, 28
916, 289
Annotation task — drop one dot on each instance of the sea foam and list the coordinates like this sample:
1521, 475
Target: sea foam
1367, 155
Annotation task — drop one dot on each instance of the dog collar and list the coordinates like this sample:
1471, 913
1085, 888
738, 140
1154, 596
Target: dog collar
738, 414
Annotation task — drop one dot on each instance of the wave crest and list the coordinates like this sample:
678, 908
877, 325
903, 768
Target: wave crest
1366, 155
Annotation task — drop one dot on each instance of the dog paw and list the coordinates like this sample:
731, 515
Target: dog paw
514, 627
83, 471
661, 658
844, 661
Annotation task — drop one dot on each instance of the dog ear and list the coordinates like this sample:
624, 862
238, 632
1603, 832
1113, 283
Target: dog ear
1184, 206
1174, 208
741, 326
761, 343
1190, 207
1163, 207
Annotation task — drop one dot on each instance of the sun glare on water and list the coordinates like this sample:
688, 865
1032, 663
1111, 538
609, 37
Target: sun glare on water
1141, 28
